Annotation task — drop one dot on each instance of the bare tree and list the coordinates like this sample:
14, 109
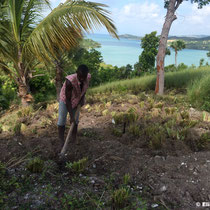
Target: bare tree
171, 6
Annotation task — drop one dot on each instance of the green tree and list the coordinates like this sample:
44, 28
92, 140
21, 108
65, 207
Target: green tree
201, 62
24, 36
149, 43
89, 44
108, 73
177, 46
208, 54
171, 6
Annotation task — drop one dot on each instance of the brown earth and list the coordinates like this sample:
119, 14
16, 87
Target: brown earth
176, 177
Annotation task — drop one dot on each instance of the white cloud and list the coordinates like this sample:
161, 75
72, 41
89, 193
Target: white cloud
199, 16
141, 11
138, 18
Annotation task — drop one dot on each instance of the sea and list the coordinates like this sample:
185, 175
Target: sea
125, 51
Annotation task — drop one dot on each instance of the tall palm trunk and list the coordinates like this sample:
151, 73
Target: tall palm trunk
23, 87
23, 94
58, 78
170, 17
23, 83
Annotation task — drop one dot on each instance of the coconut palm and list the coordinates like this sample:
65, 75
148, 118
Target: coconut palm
177, 46
26, 36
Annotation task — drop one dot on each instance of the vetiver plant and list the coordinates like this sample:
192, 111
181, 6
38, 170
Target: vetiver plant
35, 165
77, 166
120, 197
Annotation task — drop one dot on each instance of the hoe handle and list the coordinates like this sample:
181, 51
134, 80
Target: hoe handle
63, 151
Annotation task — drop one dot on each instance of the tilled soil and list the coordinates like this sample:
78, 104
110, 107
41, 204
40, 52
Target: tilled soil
176, 177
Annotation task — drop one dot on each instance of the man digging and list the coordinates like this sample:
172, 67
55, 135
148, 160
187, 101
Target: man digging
72, 94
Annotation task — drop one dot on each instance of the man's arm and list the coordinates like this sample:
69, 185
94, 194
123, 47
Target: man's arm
68, 93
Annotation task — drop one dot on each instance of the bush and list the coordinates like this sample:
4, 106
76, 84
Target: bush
42, 87
199, 93
8, 91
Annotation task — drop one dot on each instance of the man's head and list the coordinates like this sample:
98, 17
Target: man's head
82, 72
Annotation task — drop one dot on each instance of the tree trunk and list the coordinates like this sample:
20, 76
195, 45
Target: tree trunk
23, 83
58, 78
24, 94
176, 58
170, 17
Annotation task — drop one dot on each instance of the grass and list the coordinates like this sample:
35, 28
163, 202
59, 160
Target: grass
180, 79
199, 93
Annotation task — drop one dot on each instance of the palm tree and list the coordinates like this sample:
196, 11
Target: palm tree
177, 46
26, 37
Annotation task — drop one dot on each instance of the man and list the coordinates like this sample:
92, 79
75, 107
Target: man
72, 93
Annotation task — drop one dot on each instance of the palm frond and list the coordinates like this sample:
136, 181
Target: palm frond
67, 23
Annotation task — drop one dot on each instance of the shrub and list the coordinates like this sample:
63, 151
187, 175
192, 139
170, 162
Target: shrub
41, 86
8, 91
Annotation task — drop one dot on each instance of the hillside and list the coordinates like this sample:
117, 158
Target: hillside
202, 43
197, 43
129, 36
161, 161
187, 38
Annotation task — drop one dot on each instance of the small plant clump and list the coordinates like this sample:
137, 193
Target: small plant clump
77, 166
2, 168
25, 112
117, 132
126, 179
203, 141
134, 129
185, 115
126, 117
159, 105
35, 165
17, 128
120, 197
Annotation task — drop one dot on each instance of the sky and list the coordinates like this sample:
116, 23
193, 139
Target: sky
140, 17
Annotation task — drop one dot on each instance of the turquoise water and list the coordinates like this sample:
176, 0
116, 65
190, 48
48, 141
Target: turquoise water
122, 52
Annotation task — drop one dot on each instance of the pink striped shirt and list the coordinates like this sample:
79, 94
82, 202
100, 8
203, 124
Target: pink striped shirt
76, 92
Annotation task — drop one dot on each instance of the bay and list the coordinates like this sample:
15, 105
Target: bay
124, 51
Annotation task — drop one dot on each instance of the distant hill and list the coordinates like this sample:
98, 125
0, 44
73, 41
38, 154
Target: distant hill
129, 36
187, 38
196, 42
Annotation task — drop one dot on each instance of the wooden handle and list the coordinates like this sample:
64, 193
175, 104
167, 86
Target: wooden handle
63, 151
